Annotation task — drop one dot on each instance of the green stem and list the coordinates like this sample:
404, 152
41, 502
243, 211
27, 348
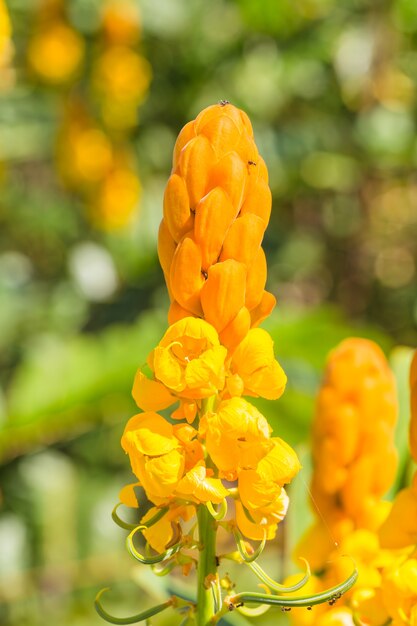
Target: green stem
207, 566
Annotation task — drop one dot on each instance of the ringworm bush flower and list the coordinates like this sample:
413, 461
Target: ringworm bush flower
216, 447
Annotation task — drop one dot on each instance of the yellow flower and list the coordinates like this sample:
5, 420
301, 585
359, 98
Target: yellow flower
266, 500
399, 588
189, 359
5, 31
236, 436
160, 534
55, 52
254, 368
353, 434
400, 528
156, 456
254, 530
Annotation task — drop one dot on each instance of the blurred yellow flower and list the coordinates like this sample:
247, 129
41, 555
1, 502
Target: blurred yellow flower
55, 52
116, 198
5, 31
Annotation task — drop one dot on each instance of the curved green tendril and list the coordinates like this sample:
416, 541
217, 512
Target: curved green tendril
127, 526
261, 609
118, 520
272, 584
155, 518
151, 560
240, 543
163, 571
140, 617
221, 512
329, 595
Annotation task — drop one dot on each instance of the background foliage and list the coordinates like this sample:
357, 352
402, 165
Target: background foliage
331, 89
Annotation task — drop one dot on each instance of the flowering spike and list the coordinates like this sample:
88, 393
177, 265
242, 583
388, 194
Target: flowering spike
152, 559
139, 617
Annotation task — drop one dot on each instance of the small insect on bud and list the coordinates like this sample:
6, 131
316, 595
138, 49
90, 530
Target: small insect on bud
309, 608
224, 102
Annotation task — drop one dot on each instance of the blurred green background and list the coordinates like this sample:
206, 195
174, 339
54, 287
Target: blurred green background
92, 96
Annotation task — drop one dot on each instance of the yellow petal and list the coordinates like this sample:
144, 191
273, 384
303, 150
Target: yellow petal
196, 484
148, 433
159, 534
167, 369
281, 463
162, 474
127, 495
400, 528
151, 395
252, 530
206, 374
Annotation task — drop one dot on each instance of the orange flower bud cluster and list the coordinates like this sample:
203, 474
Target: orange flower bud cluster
355, 459
217, 205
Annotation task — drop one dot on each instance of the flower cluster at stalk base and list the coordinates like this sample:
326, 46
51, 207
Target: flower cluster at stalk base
216, 208
187, 461
384, 545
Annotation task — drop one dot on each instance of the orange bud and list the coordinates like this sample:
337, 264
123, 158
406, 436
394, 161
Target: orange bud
223, 293
258, 200
231, 174
236, 330
194, 165
177, 312
222, 133
264, 308
177, 214
186, 134
166, 250
213, 216
215, 111
186, 278
243, 239
255, 280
